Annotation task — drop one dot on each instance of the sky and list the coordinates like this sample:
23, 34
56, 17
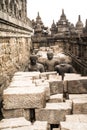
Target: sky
50, 10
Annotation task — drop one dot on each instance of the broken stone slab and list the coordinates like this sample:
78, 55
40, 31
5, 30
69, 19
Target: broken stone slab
15, 113
80, 106
56, 87
76, 118
53, 113
56, 98
73, 126
14, 123
25, 97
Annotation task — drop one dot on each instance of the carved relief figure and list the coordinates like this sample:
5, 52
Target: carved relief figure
2, 5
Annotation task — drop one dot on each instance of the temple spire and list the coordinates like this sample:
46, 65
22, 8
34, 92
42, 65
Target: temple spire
79, 18
62, 11
38, 14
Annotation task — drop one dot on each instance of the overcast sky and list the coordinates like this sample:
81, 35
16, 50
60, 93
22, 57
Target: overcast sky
50, 10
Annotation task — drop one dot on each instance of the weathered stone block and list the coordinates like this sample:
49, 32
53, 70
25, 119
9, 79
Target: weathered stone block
53, 113
56, 128
45, 86
77, 96
56, 98
40, 125
77, 86
14, 113
80, 106
56, 87
21, 83
14, 123
73, 126
37, 125
27, 74
77, 118
27, 97
20, 128
49, 75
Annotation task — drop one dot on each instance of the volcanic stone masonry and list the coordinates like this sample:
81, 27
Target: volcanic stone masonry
15, 39
36, 100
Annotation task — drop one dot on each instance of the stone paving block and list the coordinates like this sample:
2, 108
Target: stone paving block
14, 113
76, 118
73, 126
80, 106
53, 112
56, 98
27, 97
56, 87
14, 123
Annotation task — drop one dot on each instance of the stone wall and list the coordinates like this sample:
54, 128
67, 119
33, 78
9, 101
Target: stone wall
15, 45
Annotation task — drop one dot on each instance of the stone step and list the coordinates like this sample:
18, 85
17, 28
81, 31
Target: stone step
14, 122
79, 106
76, 118
19, 128
56, 128
27, 97
73, 126
22, 124
77, 96
56, 98
77, 86
53, 113
15, 113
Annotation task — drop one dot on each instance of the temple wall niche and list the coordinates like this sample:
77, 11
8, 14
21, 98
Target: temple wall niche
15, 40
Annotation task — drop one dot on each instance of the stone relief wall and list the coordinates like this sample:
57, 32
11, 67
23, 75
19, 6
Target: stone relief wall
15, 39
15, 8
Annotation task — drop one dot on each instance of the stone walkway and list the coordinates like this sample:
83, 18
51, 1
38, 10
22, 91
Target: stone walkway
38, 100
